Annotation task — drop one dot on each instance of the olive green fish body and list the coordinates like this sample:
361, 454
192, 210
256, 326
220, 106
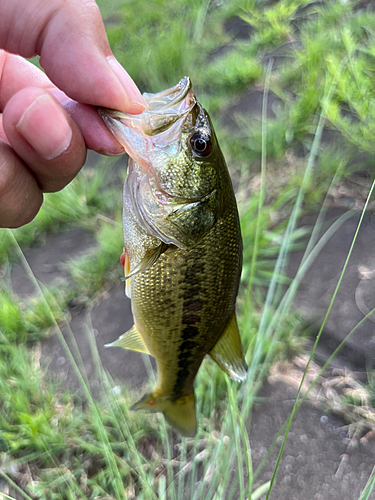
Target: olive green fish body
182, 304
183, 248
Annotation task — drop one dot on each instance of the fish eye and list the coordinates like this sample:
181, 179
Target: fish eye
200, 145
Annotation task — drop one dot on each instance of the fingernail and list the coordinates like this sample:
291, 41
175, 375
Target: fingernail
60, 96
45, 127
130, 87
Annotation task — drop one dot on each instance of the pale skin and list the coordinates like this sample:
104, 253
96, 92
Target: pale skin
47, 121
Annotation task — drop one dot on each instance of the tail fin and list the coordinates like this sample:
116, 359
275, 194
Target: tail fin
180, 414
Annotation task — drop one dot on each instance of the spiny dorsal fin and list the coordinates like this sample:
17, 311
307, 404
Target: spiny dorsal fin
148, 260
131, 340
227, 352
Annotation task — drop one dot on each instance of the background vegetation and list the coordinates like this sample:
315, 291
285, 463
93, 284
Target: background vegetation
280, 81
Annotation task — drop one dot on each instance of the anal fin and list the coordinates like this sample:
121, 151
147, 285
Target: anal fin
227, 352
131, 340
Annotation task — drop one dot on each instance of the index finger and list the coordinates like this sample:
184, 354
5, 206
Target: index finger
18, 74
69, 36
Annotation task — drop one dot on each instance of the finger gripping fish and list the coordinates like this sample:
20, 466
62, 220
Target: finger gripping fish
183, 248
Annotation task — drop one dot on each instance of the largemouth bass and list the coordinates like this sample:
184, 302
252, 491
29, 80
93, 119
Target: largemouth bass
183, 248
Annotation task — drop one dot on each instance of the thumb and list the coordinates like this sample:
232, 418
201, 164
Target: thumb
69, 36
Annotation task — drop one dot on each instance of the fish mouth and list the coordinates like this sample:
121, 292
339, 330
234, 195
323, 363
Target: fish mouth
170, 99
151, 138
158, 126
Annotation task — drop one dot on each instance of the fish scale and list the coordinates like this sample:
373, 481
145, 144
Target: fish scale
183, 249
199, 275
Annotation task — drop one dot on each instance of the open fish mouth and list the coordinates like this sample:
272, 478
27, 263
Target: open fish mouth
173, 101
162, 186
158, 126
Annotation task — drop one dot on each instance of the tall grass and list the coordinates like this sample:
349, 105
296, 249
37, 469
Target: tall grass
210, 458
64, 446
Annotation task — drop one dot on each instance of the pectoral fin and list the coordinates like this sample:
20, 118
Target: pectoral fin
131, 340
148, 260
126, 272
191, 222
227, 352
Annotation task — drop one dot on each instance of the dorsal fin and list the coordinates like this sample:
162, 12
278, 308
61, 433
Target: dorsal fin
227, 352
131, 340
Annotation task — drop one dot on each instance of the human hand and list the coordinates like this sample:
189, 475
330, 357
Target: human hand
43, 132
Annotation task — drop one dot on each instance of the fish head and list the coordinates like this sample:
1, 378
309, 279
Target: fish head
174, 166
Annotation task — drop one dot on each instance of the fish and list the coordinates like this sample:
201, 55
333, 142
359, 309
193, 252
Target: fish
183, 248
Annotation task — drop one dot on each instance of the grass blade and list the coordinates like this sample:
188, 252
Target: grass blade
109, 455
14, 485
232, 405
316, 342
262, 490
365, 495
262, 194
314, 382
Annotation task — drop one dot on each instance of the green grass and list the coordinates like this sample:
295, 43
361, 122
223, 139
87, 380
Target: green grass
59, 445
89, 196
96, 270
